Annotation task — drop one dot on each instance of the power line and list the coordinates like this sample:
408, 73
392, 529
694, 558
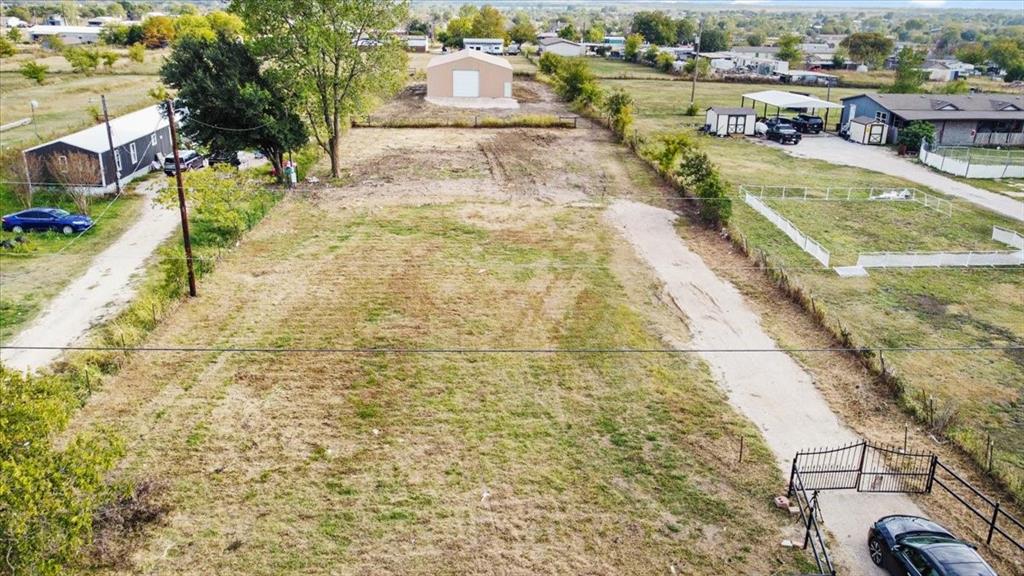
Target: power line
458, 351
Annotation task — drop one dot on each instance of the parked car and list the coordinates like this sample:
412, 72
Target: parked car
513, 50
913, 546
781, 131
44, 219
225, 158
190, 160
807, 123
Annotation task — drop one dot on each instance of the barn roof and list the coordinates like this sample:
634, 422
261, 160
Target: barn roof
124, 129
472, 54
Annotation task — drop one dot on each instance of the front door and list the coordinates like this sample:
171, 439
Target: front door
736, 125
466, 84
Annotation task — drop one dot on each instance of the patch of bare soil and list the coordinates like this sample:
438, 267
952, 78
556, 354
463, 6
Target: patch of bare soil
410, 104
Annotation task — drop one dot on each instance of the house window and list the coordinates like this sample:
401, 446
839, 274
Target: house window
62, 162
133, 153
882, 116
152, 139
117, 160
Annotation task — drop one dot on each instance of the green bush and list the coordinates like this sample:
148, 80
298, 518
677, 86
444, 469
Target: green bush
575, 82
619, 108
34, 71
48, 494
665, 62
549, 63
82, 60
6, 47
692, 109
715, 205
914, 133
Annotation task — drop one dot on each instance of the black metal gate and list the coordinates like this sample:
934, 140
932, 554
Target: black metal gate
864, 467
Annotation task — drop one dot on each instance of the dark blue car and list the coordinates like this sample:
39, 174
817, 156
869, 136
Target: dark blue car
912, 546
44, 219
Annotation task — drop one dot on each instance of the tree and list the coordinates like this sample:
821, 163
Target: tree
958, 86
912, 135
702, 65
686, 31
338, 54
457, 30
595, 34
82, 60
631, 50
839, 58
665, 61
109, 58
69, 10
789, 50
489, 22
651, 54
569, 32
523, 29
550, 62
236, 105
34, 71
657, 27
575, 82
715, 205
418, 28
869, 48
755, 39
972, 53
116, 10
714, 40
6, 47
14, 35
74, 172
909, 75
1005, 53
157, 31
1015, 72
121, 34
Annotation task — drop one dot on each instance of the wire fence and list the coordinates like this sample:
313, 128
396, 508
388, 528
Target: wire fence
974, 162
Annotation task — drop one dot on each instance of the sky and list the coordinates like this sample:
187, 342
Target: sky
1017, 5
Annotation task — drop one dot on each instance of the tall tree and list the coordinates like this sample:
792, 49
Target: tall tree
657, 27
789, 50
595, 33
457, 30
523, 29
714, 40
489, 22
868, 47
234, 103
569, 32
686, 31
909, 75
339, 54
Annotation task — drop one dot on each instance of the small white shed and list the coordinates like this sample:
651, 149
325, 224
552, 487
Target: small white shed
864, 130
725, 121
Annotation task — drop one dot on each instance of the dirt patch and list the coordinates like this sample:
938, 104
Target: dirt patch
534, 98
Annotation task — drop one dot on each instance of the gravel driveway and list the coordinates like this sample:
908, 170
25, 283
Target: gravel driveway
880, 159
769, 388
105, 288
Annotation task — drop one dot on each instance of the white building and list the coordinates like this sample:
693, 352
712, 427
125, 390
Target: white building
67, 34
721, 121
561, 47
485, 45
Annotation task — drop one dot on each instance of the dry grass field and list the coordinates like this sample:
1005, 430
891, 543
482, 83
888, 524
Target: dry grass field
448, 462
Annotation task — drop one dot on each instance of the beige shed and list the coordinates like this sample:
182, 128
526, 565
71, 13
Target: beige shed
468, 74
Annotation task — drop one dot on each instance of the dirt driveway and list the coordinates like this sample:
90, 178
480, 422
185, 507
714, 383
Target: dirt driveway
770, 388
97, 294
838, 151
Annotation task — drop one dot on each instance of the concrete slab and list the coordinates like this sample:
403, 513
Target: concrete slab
476, 103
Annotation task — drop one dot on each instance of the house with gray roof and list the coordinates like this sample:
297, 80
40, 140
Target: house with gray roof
959, 119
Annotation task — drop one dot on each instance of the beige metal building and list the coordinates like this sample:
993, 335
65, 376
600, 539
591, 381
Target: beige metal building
469, 74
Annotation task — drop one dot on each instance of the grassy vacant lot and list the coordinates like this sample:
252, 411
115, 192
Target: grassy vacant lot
35, 271
67, 100
443, 463
926, 308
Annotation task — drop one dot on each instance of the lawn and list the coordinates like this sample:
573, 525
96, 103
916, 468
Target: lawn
925, 308
445, 462
36, 270
67, 101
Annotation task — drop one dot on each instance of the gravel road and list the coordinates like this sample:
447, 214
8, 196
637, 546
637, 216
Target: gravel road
770, 388
105, 288
880, 159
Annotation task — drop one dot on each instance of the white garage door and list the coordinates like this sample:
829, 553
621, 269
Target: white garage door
466, 84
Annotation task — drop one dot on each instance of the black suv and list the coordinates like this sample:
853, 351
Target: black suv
190, 160
807, 123
225, 158
780, 130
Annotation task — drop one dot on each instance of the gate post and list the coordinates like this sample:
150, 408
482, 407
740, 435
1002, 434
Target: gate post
860, 465
792, 475
931, 474
810, 518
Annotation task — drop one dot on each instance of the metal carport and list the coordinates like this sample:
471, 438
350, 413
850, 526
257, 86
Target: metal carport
781, 100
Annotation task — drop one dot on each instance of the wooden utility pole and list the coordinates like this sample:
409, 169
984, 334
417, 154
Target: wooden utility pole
181, 201
696, 61
110, 140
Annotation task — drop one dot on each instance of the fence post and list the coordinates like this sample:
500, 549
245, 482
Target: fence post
792, 475
931, 474
992, 526
860, 465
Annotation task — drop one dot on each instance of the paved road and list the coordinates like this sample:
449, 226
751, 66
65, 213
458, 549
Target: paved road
105, 288
880, 159
770, 388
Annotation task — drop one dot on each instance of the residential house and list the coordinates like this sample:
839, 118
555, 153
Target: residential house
485, 45
959, 119
561, 47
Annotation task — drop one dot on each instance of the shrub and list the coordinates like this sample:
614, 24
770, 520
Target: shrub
14, 35
631, 51
715, 205
619, 107
651, 54
34, 71
665, 62
575, 82
49, 495
692, 109
109, 57
549, 63
82, 60
137, 53
912, 135
695, 167
672, 147
6, 47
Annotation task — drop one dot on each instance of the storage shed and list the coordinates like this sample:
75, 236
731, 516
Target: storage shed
468, 74
864, 130
725, 121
